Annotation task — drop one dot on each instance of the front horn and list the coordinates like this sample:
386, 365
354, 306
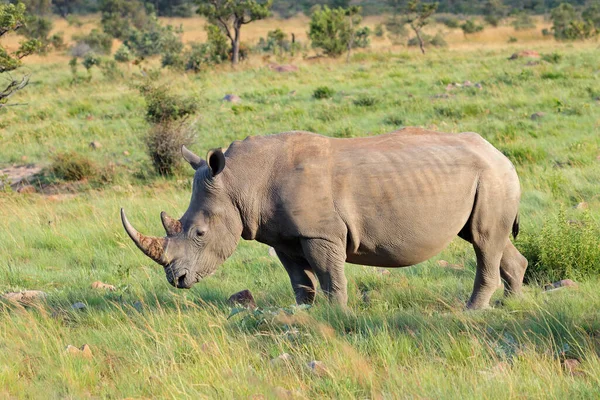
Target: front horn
172, 226
153, 247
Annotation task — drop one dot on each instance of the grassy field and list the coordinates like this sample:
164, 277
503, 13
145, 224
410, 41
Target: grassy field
407, 334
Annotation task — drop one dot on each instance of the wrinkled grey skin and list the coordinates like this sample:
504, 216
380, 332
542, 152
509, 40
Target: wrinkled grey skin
391, 201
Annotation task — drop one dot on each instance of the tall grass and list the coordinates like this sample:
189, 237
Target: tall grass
407, 334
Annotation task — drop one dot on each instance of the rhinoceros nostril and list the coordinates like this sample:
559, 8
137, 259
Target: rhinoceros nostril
181, 281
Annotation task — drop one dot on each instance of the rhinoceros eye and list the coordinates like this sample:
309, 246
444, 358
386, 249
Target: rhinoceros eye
200, 232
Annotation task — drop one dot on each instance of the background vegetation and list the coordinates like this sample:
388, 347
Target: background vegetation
91, 133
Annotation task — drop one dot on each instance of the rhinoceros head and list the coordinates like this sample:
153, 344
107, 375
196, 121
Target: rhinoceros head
205, 236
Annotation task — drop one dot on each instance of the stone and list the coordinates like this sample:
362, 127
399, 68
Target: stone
83, 351
582, 206
565, 283
27, 189
232, 98
125, 153
281, 359
272, 252
283, 68
25, 296
537, 115
318, 368
572, 366
138, 306
78, 306
525, 54
95, 145
243, 298
282, 393
210, 347
104, 286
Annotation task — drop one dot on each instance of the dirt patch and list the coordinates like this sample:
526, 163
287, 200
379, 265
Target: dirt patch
18, 176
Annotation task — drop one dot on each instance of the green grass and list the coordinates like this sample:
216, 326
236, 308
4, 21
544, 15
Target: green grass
406, 335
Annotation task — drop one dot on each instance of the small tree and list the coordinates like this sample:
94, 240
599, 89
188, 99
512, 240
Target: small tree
568, 24
470, 26
231, 15
334, 30
418, 16
12, 17
120, 16
494, 11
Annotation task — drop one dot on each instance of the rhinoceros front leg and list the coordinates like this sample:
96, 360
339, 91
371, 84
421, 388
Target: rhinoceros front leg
327, 261
302, 279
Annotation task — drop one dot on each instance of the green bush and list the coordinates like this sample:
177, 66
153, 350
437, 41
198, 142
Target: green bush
331, 29
97, 41
323, 92
449, 20
569, 24
162, 106
362, 37
163, 145
523, 22
365, 101
57, 41
123, 54
470, 26
72, 166
552, 58
379, 30
435, 41
563, 248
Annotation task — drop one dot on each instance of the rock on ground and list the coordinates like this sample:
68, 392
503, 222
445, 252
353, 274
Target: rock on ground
243, 298
25, 297
525, 54
84, 351
232, 98
561, 284
101, 285
283, 68
537, 115
318, 368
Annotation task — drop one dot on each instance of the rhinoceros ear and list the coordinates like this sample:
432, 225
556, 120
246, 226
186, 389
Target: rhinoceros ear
216, 161
195, 161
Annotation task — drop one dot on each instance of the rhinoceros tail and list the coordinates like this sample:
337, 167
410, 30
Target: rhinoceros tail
515, 228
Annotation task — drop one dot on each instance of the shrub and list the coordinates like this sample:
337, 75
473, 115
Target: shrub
90, 60
72, 166
96, 41
552, 58
397, 30
58, 41
361, 37
123, 54
332, 29
470, 26
563, 248
512, 39
168, 114
568, 24
449, 20
323, 92
163, 144
153, 39
379, 31
435, 41
110, 69
365, 101
523, 22
276, 42
163, 106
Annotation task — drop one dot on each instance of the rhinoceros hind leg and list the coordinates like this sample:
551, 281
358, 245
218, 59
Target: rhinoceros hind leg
301, 277
327, 261
512, 269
